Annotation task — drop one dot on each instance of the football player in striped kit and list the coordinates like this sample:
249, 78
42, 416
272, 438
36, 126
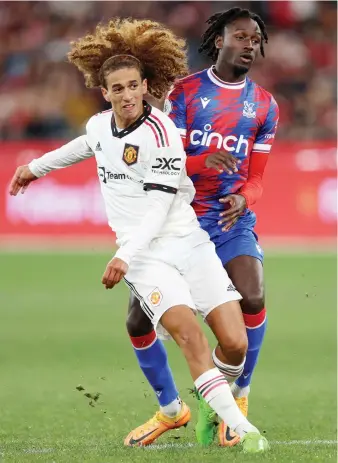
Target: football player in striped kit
221, 108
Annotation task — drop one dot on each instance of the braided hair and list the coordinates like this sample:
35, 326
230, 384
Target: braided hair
218, 21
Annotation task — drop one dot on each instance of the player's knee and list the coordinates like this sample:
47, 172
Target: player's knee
235, 348
253, 302
138, 324
192, 342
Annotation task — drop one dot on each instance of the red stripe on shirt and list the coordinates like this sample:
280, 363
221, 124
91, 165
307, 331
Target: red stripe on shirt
154, 132
162, 126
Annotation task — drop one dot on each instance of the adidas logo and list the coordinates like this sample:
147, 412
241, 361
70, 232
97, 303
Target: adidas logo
98, 147
231, 287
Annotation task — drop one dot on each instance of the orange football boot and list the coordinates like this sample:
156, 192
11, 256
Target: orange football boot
227, 437
148, 432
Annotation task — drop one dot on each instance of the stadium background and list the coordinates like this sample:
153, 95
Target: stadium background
59, 328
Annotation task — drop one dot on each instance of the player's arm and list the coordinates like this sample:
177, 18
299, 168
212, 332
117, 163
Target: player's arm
176, 108
252, 190
73, 152
161, 184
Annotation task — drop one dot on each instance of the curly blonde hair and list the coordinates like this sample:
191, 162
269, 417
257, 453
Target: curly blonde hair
161, 54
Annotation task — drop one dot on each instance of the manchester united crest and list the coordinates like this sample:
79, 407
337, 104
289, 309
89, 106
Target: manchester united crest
130, 154
155, 297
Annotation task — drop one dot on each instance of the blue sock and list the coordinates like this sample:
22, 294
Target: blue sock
255, 328
153, 360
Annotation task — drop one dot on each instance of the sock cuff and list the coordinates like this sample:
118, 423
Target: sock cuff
229, 370
256, 320
144, 342
224, 366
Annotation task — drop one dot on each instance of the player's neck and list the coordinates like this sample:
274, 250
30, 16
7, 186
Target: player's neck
122, 123
227, 74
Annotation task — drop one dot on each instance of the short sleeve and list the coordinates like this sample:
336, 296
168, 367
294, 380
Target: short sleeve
267, 132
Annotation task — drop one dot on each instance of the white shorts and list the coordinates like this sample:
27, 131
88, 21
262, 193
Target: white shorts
180, 271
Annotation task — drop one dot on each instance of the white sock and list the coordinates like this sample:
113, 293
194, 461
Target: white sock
215, 390
230, 372
172, 409
239, 392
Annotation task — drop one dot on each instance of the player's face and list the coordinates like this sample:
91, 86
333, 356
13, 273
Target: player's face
239, 45
125, 91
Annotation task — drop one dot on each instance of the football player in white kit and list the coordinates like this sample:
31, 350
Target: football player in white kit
164, 256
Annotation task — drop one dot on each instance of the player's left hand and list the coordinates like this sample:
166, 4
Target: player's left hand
115, 271
236, 206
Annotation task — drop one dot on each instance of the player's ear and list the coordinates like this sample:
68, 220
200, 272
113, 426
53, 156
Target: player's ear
219, 42
105, 94
144, 86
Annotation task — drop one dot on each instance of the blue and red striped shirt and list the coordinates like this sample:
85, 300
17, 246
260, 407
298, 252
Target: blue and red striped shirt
212, 116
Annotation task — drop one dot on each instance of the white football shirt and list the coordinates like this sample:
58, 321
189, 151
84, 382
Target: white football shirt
132, 163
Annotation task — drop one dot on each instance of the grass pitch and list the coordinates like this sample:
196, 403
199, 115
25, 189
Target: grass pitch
60, 329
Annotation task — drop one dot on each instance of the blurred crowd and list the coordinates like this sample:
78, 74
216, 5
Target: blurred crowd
42, 96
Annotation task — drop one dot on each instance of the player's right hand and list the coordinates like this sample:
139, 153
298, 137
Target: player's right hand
222, 161
21, 180
114, 273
